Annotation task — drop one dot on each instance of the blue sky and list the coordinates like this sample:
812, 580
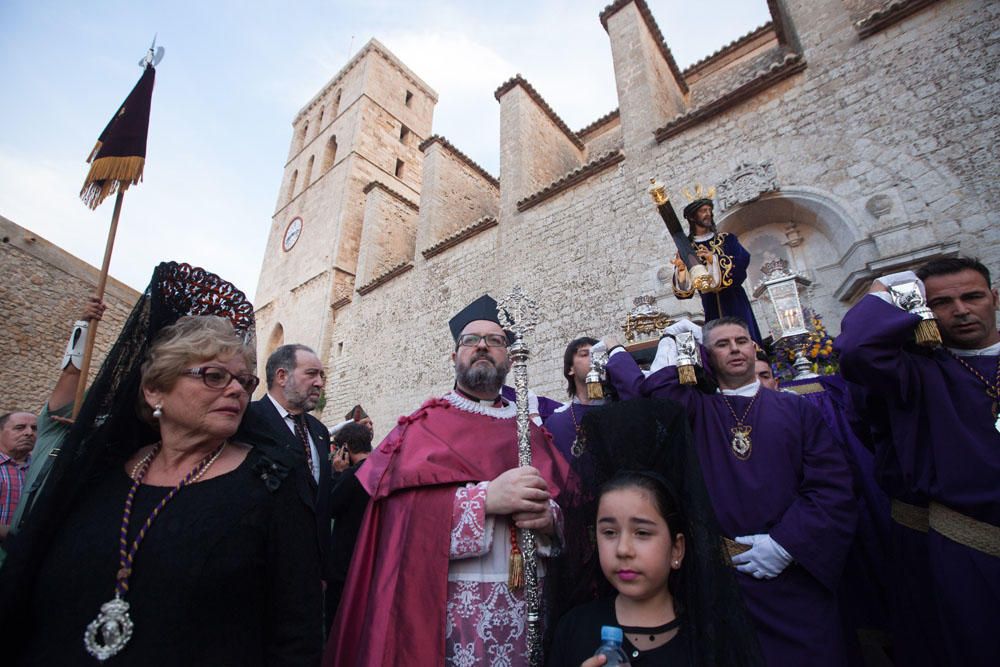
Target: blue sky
235, 74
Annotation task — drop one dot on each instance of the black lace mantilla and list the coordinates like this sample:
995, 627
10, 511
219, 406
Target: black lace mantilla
191, 290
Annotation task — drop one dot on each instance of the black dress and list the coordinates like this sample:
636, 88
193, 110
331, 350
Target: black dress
228, 574
578, 635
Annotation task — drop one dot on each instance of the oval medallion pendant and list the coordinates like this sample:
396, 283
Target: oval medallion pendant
741, 442
107, 634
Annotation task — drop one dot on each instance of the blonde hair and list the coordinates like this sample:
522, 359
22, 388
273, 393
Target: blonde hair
190, 340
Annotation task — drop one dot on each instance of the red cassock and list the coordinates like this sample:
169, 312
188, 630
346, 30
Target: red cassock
396, 594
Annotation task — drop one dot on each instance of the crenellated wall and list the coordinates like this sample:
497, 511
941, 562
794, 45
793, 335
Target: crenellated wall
456, 193
850, 137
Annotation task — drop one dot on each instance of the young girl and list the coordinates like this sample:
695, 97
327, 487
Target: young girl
641, 549
663, 577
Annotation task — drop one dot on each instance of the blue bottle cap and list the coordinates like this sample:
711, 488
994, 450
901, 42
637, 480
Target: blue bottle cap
611, 633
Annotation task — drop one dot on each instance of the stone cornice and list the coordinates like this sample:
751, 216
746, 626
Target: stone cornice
891, 13
386, 276
574, 177
340, 303
654, 30
597, 124
732, 46
518, 80
462, 157
382, 186
454, 239
792, 63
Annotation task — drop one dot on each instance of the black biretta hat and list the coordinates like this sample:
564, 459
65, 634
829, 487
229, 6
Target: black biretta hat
694, 206
483, 308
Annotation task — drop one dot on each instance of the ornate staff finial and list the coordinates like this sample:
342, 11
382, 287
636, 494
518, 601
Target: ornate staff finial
517, 312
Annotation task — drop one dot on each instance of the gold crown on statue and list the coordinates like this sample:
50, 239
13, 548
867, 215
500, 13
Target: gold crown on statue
699, 193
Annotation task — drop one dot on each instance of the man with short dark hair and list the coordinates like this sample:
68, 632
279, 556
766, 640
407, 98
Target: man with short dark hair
941, 408
17, 439
295, 380
566, 422
431, 579
726, 259
781, 489
348, 501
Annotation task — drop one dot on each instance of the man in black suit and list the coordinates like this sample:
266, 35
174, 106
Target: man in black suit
295, 380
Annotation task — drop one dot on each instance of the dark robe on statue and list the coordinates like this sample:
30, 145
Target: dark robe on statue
395, 600
795, 486
948, 449
731, 300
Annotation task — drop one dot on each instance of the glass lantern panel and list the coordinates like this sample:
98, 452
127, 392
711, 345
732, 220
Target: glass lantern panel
784, 297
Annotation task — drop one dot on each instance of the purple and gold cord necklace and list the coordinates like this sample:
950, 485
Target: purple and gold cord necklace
107, 634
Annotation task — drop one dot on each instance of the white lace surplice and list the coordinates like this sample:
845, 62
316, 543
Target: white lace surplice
486, 621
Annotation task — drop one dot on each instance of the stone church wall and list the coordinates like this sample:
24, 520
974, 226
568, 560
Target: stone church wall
42, 293
869, 143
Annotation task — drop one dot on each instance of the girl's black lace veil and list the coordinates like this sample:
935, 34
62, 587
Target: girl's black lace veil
653, 436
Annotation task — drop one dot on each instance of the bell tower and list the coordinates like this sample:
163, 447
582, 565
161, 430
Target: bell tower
363, 127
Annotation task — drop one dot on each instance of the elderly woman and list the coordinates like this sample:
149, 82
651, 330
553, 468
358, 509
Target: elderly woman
196, 550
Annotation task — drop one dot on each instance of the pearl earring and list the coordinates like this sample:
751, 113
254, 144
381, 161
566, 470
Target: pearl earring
157, 411
677, 564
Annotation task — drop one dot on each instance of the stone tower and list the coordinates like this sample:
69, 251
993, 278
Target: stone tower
354, 147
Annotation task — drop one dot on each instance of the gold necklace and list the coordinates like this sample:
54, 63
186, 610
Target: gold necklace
741, 443
148, 457
580, 438
992, 390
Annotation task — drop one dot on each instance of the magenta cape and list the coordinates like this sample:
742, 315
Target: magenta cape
395, 597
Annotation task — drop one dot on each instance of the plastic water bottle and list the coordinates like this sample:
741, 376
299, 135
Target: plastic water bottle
611, 646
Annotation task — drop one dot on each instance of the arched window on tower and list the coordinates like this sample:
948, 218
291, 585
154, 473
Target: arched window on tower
309, 168
291, 185
330, 153
336, 103
319, 123
301, 141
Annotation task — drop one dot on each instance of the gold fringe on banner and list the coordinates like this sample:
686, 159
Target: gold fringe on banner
107, 174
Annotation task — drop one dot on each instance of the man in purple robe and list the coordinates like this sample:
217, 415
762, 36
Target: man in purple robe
781, 490
565, 423
941, 405
726, 259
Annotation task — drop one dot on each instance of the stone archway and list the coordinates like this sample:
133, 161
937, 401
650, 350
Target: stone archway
808, 228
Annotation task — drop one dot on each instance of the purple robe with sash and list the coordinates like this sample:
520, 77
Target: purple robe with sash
796, 487
912, 618
862, 594
948, 449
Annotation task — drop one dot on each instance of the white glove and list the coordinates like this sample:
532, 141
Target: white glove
666, 354
766, 559
74, 348
533, 408
684, 325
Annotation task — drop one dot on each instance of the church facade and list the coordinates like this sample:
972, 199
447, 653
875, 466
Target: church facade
850, 138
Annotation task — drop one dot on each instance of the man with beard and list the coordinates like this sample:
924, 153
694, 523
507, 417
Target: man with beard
726, 259
431, 576
295, 380
941, 438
